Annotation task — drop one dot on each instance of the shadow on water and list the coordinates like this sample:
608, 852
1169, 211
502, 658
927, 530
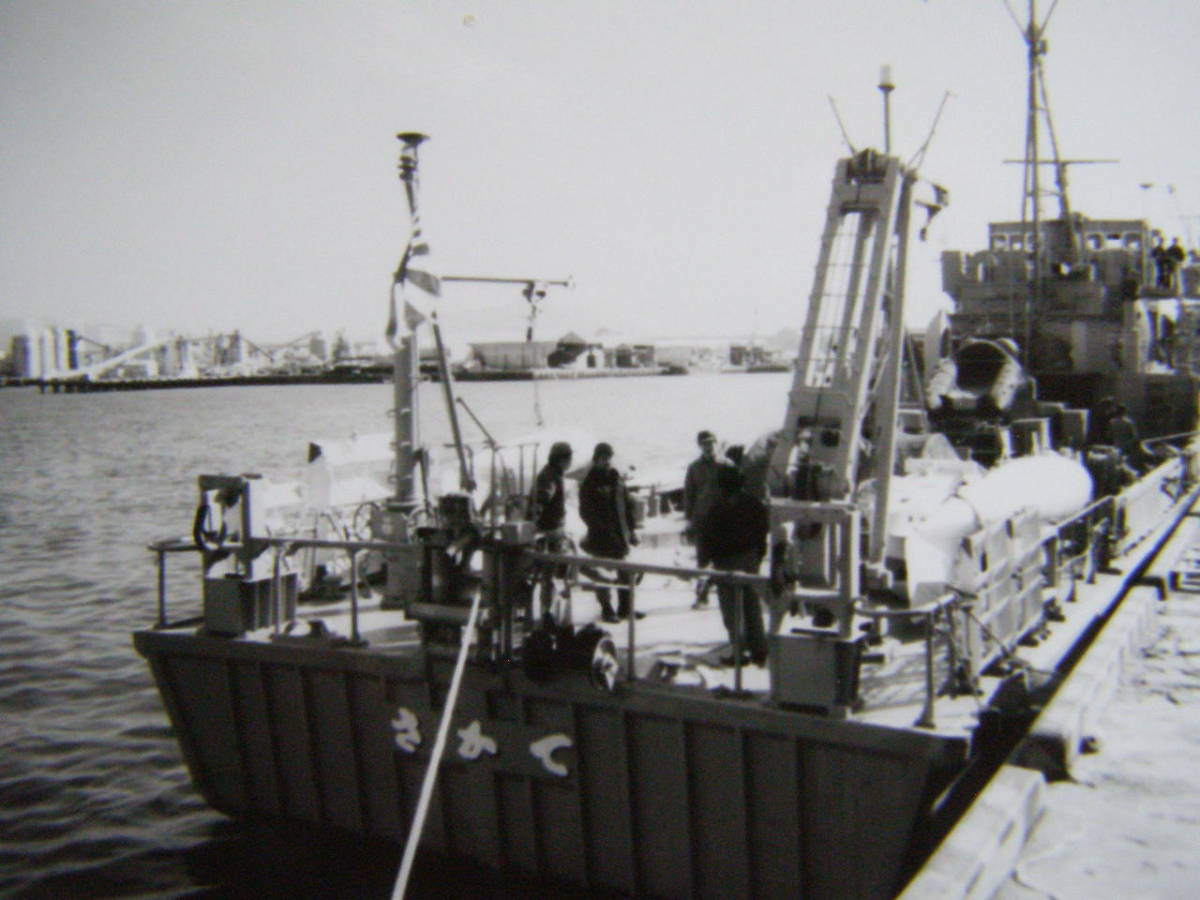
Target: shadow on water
252, 861
244, 861
94, 798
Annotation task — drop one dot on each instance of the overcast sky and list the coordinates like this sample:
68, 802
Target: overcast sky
207, 165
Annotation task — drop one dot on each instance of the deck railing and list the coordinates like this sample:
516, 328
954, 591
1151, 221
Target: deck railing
282, 547
1138, 507
161, 549
761, 584
928, 614
1080, 545
1077, 548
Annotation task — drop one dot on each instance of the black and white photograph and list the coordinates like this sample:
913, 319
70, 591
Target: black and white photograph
598, 449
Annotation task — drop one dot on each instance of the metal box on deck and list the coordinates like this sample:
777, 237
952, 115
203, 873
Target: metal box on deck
233, 605
814, 669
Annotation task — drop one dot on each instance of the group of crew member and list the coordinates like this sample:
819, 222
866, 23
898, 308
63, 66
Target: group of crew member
1167, 262
727, 524
605, 507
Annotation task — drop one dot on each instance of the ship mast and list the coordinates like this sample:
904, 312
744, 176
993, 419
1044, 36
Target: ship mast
1038, 102
1031, 198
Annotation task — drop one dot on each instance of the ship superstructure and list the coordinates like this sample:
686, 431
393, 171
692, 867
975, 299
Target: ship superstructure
1097, 309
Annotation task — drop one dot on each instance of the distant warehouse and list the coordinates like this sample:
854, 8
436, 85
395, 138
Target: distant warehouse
570, 349
513, 355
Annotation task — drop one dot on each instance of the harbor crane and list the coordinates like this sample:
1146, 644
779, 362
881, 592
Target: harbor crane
534, 290
106, 350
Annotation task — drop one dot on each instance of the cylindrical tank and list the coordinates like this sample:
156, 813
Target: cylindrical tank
1050, 486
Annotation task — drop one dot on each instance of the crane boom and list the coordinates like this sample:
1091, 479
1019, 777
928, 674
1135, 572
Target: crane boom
845, 351
840, 427
487, 279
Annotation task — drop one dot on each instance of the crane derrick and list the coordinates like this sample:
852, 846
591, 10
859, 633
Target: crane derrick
839, 433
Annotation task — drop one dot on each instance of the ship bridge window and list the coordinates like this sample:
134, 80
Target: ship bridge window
1016, 242
1095, 241
1133, 241
999, 242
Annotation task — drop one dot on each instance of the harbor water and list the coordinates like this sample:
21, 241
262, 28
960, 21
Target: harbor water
94, 798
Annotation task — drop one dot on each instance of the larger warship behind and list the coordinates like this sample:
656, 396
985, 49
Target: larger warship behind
941, 544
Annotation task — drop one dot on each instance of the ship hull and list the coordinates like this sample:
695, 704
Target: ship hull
645, 792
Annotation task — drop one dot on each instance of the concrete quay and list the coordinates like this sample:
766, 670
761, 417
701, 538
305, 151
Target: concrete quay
1102, 798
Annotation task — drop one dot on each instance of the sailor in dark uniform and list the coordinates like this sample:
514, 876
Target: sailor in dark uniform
732, 534
549, 512
605, 508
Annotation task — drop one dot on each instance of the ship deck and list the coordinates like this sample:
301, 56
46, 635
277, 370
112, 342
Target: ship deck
679, 646
667, 786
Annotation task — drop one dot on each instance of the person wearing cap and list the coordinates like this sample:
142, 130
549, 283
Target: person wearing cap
604, 506
699, 492
700, 483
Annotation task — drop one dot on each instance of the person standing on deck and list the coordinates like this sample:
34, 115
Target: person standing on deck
699, 492
605, 508
732, 534
1123, 433
549, 509
1158, 253
1175, 258
549, 496
1098, 422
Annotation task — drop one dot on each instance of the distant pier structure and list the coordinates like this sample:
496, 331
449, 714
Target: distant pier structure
66, 360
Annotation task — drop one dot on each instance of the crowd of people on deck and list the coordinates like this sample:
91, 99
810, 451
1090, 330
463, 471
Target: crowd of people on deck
727, 523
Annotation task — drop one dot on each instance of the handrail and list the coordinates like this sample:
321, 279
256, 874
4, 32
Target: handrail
284, 546
719, 575
1105, 507
173, 545
1086, 511
928, 611
654, 569
1170, 437
160, 549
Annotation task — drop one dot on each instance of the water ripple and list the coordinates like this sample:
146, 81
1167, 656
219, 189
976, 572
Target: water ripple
94, 798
